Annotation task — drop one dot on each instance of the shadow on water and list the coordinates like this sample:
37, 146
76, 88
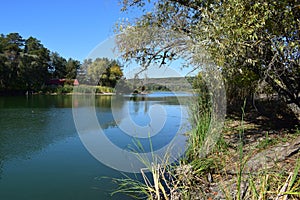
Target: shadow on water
38, 138
31, 123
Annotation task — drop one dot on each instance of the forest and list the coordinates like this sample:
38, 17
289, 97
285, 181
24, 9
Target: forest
27, 66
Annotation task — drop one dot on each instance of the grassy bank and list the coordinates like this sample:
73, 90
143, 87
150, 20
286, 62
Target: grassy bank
256, 157
69, 89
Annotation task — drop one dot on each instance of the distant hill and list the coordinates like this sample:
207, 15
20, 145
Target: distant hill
168, 83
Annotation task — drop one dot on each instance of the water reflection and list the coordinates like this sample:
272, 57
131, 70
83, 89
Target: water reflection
134, 121
34, 124
30, 124
134, 124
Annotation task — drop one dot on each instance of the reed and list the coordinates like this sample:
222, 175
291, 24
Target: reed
194, 175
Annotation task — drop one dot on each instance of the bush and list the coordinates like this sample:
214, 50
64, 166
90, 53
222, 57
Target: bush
64, 89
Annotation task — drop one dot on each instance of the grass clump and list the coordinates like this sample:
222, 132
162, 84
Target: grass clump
224, 172
88, 89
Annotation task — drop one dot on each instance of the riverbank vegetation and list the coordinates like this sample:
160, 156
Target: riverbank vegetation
26, 67
80, 89
256, 157
255, 45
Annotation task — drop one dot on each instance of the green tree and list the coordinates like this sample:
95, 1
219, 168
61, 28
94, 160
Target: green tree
72, 66
251, 41
13, 48
26, 65
63, 68
23, 63
59, 63
113, 74
34, 65
3, 59
96, 70
82, 72
104, 72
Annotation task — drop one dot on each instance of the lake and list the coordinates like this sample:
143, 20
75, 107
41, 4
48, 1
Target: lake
42, 156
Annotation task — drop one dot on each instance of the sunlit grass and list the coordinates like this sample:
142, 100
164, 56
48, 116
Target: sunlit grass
194, 175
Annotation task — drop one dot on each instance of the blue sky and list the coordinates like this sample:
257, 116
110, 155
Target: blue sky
70, 27
73, 28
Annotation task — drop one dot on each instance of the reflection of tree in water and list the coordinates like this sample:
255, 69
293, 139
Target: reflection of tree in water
18, 137
136, 106
103, 101
30, 124
146, 107
138, 100
104, 112
32, 129
63, 101
1, 165
37, 101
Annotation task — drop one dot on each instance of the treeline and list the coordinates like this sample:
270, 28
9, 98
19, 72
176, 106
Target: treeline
101, 71
27, 66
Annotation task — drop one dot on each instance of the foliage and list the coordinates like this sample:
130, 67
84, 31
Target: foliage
101, 71
92, 89
222, 174
59, 65
26, 65
64, 89
63, 68
23, 63
156, 87
198, 136
250, 41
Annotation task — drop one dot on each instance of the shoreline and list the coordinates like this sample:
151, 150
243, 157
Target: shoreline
79, 93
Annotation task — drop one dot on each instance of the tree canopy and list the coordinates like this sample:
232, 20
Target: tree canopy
23, 63
64, 68
101, 71
250, 41
26, 65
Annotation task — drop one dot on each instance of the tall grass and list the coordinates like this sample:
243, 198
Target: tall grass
155, 180
189, 176
200, 119
160, 180
86, 89
242, 162
262, 184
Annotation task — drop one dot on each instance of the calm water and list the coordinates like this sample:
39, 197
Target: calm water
42, 156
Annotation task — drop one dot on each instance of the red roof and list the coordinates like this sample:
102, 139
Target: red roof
75, 82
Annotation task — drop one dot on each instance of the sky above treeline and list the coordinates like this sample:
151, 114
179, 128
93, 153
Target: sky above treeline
77, 29
73, 28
